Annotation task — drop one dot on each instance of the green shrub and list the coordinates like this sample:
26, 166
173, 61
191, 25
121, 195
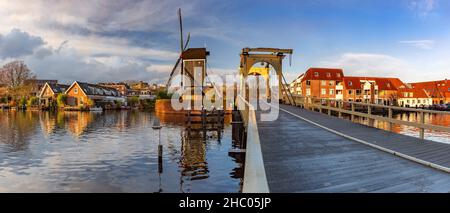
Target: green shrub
163, 95
148, 104
133, 101
23, 102
61, 100
33, 101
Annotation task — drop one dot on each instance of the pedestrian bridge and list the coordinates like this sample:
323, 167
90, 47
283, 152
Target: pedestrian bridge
309, 151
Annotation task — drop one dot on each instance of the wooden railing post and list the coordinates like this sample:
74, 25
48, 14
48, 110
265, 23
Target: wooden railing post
320, 105
329, 107
390, 117
353, 110
369, 112
422, 121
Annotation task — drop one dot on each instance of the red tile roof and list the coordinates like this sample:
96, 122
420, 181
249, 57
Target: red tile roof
437, 89
383, 83
351, 82
324, 74
417, 93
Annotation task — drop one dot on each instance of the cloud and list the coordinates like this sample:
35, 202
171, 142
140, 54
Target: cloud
18, 43
422, 44
423, 7
368, 64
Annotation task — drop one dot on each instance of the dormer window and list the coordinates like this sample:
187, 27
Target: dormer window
328, 74
350, 83
338, 75
388, 85
316, 74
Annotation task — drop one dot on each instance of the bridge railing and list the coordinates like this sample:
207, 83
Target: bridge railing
350, 108
255, 180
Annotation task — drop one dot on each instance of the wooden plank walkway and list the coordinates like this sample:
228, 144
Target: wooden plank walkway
301, 157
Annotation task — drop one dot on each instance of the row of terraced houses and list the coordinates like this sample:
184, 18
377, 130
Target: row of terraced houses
333, 84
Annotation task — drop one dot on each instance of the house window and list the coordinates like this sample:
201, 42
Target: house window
308, 83
328, 74
308, 92
350, 92
338, 75
418, 101
331, 83
324, 83
75, 90
331, 91
358, 92
324, 91
389, 85
350, 83
316, 74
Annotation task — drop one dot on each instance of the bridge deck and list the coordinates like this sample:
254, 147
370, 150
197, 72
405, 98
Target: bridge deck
301, 157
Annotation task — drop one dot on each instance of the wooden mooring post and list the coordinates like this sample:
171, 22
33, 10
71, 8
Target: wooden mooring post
422, 121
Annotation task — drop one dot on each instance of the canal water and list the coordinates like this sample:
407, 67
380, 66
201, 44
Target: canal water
435, 119
111, 152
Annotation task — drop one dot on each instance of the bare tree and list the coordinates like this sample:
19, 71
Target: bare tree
16, 77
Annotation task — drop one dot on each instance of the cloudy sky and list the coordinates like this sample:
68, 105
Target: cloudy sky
114, 40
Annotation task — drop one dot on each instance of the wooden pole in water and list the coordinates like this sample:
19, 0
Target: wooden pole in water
157, 125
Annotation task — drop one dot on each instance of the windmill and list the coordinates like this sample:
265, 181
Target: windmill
183, 47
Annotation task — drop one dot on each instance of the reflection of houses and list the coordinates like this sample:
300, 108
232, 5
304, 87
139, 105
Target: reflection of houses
78, 122
50, 92
89, 95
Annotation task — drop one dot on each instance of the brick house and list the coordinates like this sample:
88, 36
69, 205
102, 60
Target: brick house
412, 97
81, 94
438, 90
321, 83
50, 92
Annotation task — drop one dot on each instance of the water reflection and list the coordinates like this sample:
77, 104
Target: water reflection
110, 152
434, 119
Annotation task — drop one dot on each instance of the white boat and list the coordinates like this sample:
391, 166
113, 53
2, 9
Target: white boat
97, 109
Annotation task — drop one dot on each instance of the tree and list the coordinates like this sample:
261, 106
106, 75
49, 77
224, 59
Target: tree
16, 76
33, 101
133, 101
163, 95
61, 100
23, 102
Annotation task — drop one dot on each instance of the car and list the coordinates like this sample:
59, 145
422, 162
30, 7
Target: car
441, 107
